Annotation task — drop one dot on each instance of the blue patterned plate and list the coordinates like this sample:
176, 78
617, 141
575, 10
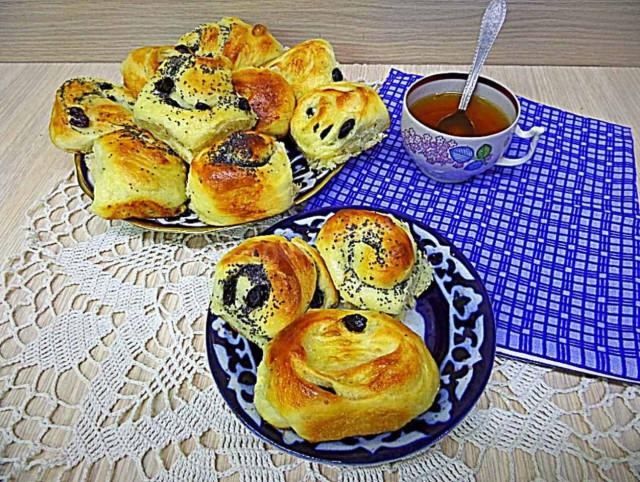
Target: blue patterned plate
308, 182
454, 318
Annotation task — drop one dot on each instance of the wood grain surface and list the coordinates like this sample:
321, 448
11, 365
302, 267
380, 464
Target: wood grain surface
543, 32
30, 166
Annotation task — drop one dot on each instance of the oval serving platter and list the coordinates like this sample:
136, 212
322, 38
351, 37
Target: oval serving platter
308, 182
453, 316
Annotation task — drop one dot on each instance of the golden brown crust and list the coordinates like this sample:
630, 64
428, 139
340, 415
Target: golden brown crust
190, 103
338, 121
141, 64
270, 96
262, 285
243, 177
244, 45
136, 176
373, 260
307, 66
86, 108
340, 373
386, 257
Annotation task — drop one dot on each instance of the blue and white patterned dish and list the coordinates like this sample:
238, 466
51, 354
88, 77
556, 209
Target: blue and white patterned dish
453, 316
307, 181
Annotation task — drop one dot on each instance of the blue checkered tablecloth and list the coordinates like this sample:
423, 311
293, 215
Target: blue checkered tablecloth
555, 240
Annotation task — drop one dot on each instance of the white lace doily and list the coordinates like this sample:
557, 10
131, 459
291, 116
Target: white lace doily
104, 375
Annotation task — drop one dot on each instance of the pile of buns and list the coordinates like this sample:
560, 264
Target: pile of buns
199, 123
331, 373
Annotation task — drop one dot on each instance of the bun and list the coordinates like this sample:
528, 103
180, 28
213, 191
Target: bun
373, 260
243, 177
263, 285
270, 96
86, 108
341, 373
244, 45
190, 103
307, 65
136, 176
338, 121
141, 64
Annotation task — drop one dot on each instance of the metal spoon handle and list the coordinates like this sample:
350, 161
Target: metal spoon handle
492, 22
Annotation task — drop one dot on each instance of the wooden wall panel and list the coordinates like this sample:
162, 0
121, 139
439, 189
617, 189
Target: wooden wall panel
537, 32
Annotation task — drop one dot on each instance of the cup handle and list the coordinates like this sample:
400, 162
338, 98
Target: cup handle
534, 134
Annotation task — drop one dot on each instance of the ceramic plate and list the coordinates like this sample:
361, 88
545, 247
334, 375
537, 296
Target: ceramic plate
453, 317
307, 180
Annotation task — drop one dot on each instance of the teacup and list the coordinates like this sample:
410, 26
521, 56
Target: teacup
448, 158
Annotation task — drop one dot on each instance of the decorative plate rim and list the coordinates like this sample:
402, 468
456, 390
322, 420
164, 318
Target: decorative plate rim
412, 448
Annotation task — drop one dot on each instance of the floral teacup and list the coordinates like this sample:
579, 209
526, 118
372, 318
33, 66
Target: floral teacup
448, 158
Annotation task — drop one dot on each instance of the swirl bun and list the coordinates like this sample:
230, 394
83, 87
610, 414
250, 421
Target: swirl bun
339, 373
244, 45
244, 177
307, 65
141, 64
86, 108
373, 260
262, 285
337, 121
190, 103
136, 176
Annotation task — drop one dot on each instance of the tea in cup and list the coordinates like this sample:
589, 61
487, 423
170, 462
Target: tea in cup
494, 112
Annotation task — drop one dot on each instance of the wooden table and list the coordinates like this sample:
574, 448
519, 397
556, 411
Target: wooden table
30, 166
